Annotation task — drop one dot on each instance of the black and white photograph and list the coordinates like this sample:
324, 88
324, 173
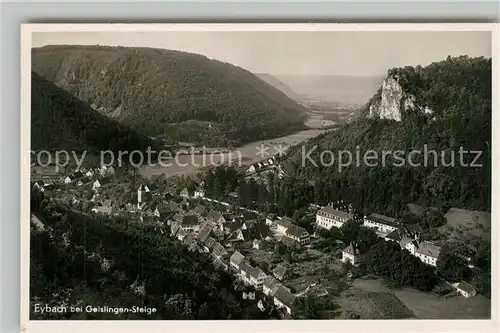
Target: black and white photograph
262, 174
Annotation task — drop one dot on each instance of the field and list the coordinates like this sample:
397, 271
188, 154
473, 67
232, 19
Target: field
466, 224
430, 306
374, 300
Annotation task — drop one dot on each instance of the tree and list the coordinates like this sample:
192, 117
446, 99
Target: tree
309, 307
433, 218
366, 239
350, 231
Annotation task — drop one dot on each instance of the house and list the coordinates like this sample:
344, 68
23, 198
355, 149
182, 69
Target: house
190, 223
283, 224
167, 208
106, 170
245, 271
181, 234
284, 299
394, 236
184, 193
90, 173
175, 228
37, 223
100, 183
74, 177
216, 217
220, 264
270, 219
243, 235
200, 210
328, 217
189, 239
383, 224
298, 234
289, 242
236, 259
257, 277
465, 289
251, 169
279, 272
84, 181
199, 193
39, 183
269, 286
409, 244
428, 253
257, 244
209, 244
413, 230
156, 211
75, 200
204, 233
111, 170
231, 227
350, 254
219, 251
106, 207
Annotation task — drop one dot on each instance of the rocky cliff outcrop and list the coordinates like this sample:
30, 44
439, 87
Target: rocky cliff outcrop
391, 102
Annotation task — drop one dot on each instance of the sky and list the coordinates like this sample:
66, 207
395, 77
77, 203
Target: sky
298, 53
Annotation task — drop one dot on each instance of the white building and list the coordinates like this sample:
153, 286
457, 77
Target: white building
350, 254
428, 253
283, 224
269, 286
257, 277
199, 193
409, 244
465, 289
383, 224
284, 299
328, 217
236, 259
298, 234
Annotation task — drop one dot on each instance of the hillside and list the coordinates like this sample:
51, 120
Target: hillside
444, 107
171, 94
341, 89
87, 259
62, 121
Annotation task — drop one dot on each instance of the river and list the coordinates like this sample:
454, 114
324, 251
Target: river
247, 154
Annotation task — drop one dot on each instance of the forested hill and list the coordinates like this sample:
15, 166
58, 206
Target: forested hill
277, 83
178, 95
444, 106
62, 121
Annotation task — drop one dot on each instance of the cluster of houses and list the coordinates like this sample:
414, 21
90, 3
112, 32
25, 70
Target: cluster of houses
271, 164
292, 235
270, 285
51, 177
215, 233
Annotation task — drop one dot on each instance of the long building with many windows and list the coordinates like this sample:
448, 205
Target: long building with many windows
383, 224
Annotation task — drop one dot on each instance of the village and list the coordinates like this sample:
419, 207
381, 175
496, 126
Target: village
275, 262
